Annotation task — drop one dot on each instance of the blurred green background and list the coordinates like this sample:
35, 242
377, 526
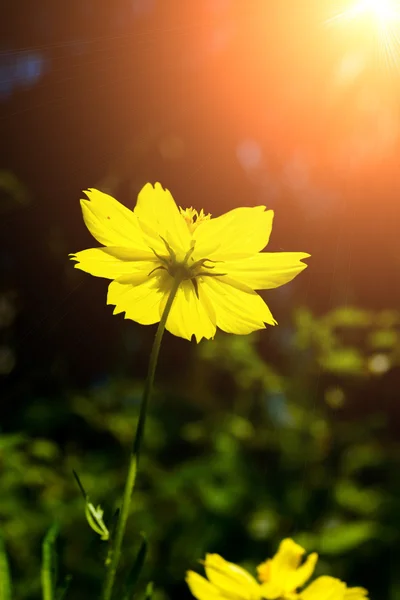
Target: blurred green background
290, 432
240, 452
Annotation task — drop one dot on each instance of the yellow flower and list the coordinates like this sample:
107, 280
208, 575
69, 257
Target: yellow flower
280, 577
217, 261
329, 588
226, 581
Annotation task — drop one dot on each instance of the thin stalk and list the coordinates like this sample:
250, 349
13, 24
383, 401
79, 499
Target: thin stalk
5, 577
49, 559
115, 553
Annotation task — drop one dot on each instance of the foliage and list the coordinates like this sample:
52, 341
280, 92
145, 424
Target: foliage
264, 436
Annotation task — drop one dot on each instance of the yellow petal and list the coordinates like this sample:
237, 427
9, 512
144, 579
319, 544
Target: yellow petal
302, 574
141, 301
271, 591
236, 234
266, 270
158, 215
201, 588
264, 571
110, 222
287, 558
238, 311
102, 262
357, 593
324, 588
231, 580
282, 573
191, 315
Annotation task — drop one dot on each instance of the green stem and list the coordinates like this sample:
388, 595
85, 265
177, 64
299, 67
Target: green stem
48, 575
115, 554
5, 577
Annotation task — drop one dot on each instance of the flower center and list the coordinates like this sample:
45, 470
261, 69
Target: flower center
188, 269
193, 218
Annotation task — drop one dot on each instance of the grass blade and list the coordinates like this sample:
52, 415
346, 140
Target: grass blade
5, 576
49, 564
63, 589
136, 569
149, 591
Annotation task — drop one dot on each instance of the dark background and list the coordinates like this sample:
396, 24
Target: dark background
227, 104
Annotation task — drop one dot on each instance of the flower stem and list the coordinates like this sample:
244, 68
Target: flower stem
115, 553
48, 575
5, 577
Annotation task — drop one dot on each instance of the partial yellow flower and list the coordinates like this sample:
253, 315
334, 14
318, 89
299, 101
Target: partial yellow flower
218, 262
329, 588
226, 581
280, 577
283, 574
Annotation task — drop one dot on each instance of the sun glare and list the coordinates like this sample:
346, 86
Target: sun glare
384, 11
378, 21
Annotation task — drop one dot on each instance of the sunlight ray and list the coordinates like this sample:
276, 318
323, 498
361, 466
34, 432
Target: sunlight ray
376, 20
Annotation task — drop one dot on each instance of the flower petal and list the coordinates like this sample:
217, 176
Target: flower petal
288, 556
357, 593
110, 222
191, 315
140, 301
201, 588
271, 591
158, 215
238, 233
266, 270
238, 309
102, 262
282, 573
324, 588
230, 579
285, 563
302, 574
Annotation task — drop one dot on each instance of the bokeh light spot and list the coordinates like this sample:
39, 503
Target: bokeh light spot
335, 397
379, 364
249, 154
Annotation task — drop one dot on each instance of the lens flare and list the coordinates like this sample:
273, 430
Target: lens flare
376, 21
381, 10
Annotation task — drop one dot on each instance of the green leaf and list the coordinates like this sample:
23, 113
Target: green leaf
114, 523
350, 316
11, 440
5, 577
383, 339
78, 481
94, 515
344, 361
149, 591
136, 569
363, 501
346, 536
362, 456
